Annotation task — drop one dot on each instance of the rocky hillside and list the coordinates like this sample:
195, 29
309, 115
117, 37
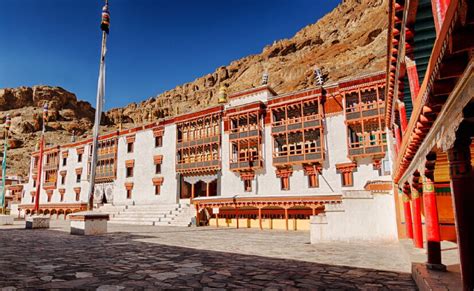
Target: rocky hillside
348, 41
67, 115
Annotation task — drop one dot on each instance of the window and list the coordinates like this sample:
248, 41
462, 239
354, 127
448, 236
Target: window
313, 181
49, 197
157, 189
129, 172
130, 147
79, 158
32, 199
129, 193
158, 141
34, 183
248, 185
347, 179
64, 161
285, 183
158, 169
62, 197
78, 195
78, 178
63, 180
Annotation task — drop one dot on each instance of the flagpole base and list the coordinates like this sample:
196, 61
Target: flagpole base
37, 222
88, 223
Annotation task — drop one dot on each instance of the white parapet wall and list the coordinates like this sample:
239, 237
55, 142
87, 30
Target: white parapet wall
6, 219
361, 216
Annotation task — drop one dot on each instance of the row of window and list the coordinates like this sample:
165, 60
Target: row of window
158, 143
347, 180
157, 191
61, 199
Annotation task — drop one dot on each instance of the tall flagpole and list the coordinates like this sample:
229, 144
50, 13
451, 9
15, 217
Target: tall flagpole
104, 25
4, 164
40, 159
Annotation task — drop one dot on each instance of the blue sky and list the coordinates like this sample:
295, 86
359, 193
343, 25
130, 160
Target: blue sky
153, 45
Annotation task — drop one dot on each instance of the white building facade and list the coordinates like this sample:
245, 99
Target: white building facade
260, 160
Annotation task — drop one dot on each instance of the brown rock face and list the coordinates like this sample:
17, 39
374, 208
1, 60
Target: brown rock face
348, 41
24, 104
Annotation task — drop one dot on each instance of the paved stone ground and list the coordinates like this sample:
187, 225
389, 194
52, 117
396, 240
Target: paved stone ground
133, 257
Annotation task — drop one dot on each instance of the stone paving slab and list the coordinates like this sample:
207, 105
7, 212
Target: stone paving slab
158, 258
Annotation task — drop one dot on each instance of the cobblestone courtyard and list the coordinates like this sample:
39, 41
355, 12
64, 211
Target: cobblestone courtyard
136, 257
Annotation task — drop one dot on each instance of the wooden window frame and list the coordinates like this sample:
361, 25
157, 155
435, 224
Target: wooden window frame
157, 168
129, 172
247, 185
130, 147
158, 141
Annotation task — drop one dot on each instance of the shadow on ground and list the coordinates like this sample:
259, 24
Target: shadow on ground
55, 259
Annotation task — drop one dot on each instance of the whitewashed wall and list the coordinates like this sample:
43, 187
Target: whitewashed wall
144, 169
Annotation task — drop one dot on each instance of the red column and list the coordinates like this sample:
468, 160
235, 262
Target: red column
433, 236
40, 173
413, 80
237, 216
439, 8
398, 138
417, 227
407, 210
403, 116
462, 185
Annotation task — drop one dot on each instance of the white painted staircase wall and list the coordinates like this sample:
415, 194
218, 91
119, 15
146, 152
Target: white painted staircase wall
150, 214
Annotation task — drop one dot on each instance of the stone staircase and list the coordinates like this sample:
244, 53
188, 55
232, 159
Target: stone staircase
159, 215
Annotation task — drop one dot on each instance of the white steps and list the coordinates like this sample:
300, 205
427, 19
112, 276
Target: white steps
159, 214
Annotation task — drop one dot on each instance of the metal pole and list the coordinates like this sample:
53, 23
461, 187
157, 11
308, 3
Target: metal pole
98, 114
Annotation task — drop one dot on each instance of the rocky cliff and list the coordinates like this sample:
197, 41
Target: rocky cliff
348, 41
67, 116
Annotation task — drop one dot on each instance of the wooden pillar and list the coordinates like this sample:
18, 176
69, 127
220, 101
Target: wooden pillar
207, 189
412, 74
398, 138
237, 216
439, 8
433, 236
260, 217
197, 215
462, 185
217, 219
192, 190
403, 116
286, 218
417, 227
407, 210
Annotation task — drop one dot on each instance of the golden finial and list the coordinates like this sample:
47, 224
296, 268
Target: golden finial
222, 94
